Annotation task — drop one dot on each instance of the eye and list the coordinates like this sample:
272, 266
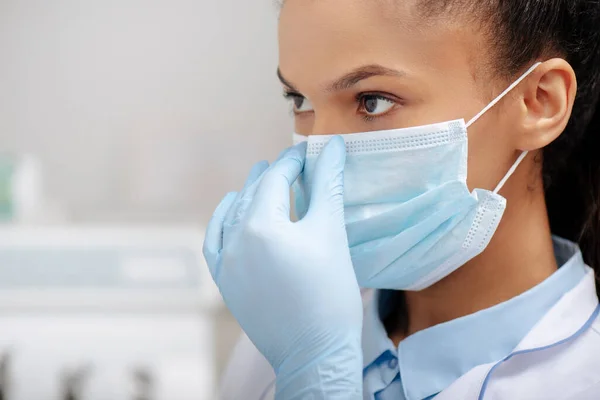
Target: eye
300, 103
374, 105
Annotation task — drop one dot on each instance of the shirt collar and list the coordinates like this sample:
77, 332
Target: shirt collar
375, 340
432, 359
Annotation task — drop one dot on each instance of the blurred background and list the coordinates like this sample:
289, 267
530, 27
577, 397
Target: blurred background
122, 124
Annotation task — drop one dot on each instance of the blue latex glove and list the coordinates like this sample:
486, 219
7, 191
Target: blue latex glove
291, 285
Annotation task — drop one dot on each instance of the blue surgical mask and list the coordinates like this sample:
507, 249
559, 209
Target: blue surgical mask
410, 217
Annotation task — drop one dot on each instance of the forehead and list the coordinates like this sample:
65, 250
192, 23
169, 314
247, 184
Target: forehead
323, 37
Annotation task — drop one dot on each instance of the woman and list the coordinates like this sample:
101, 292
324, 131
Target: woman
474, 297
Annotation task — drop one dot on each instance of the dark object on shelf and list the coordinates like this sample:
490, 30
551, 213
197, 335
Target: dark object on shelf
73, 380
4, 375
144, 384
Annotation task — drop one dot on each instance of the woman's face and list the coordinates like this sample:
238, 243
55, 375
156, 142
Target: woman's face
365, 65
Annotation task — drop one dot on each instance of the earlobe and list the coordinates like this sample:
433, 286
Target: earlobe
548, 99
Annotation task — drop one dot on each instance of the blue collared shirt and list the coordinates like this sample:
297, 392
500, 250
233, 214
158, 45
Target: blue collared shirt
427, 362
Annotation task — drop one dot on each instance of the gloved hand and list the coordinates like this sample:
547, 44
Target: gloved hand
291, 285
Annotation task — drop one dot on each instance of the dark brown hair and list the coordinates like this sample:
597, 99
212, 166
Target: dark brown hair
521, 32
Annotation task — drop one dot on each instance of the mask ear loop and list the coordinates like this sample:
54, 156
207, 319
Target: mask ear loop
512, 169
501, 96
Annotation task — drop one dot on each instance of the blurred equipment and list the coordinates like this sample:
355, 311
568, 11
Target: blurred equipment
105, 314
4, 375
27, 190
7, 172
144, 384
22, 196
73, 381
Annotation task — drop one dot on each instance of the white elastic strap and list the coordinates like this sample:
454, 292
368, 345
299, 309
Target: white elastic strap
497, 99
510, 171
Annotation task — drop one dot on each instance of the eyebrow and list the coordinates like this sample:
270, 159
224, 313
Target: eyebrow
361, 73
285, 82
351, 78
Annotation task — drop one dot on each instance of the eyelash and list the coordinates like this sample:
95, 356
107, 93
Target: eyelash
360, 98
291, 96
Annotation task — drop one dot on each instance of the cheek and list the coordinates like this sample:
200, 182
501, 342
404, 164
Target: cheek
490, 152
332, 117
303, 124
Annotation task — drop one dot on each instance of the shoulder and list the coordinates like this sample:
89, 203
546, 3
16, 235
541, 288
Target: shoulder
595, 328
588, 367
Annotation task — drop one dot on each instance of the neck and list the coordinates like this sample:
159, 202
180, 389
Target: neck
519, 257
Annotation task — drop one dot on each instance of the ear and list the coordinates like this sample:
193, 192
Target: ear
547, 102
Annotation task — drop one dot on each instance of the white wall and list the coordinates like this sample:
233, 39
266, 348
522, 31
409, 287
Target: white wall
146, 109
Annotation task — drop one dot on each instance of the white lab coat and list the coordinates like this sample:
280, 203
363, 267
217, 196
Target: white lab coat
559, 359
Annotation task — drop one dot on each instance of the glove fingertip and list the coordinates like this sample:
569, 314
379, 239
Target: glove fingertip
213, 238
297, 152
335, 151
213, 235
337, 140
301, 147
282, 155
224, 205
262, 165
255, 173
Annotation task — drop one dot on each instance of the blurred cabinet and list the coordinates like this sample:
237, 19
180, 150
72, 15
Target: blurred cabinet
105, 314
